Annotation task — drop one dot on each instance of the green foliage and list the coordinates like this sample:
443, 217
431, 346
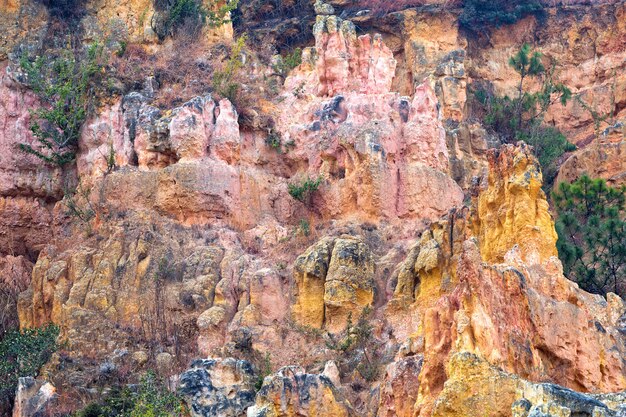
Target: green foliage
275, 141
266, 369
150, 398
65, 86
225, 81
591, 225
480, 15
286, 63
192, 15
110, 159
355, 342
292, 60
304, 227
121, 50
23, 353
521, 117
303, 191
78, 203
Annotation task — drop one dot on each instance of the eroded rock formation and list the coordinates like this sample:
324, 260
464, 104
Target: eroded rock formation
423, 225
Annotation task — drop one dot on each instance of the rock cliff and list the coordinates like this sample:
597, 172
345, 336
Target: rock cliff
420, 276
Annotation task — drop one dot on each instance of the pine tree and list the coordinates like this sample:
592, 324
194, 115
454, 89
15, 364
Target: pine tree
591, 225
521, 117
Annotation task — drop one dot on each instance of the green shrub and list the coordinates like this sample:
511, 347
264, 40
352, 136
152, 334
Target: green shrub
304, 227
225, 81
288, 62
480, 15
521, 117
293, 59
191, 15
150, 398
265, 370
78, 203
65, 86
275, 141
23, 353
591, 224
303, 191
354, 343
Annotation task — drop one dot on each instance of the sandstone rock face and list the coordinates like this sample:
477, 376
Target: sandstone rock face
310, 276
26, 185
335, 280
455, 294
33, 398
513, 209
292, 392
194, 165
400, 387
599, 160
497, 393
219, 387
15, 272
589, 60
349, 286
197, 248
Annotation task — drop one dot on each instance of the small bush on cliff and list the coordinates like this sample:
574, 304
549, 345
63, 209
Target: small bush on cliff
521, 117
479, 16
284, 64
23, 353
591, 225
302, 191
191, 15
357, 347
149, 398
225, 81
65, 85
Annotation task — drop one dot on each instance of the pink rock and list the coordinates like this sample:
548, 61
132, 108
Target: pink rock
226, 138
21, 173
342, 62
103, 138
192, 127
15, 272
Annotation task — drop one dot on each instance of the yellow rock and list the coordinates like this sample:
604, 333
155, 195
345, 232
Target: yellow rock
513, 210
349, 286
475, 388
310, 275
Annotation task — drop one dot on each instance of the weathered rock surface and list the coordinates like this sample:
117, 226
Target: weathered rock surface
513, 210
197, 248
292, 392
497, 393
219, 387
27, 187
33, 398
335, 281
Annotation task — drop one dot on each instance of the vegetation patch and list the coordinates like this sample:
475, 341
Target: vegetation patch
479, 16
191, 15
357, 348
304, 190
149, 398
225, 81
22, 354
591, 224
521, 117
65, 86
